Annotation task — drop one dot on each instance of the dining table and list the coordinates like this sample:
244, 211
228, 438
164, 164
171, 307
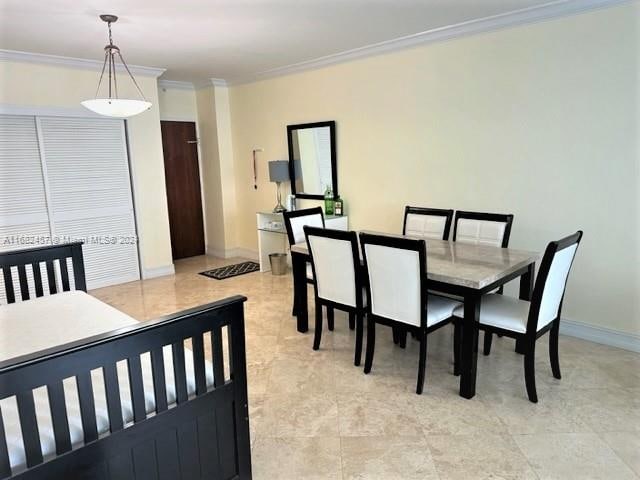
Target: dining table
464, 270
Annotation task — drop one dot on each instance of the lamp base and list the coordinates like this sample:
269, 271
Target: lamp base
279, 208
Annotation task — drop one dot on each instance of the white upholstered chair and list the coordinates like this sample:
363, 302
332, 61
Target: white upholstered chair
527, 321
294, 223
397, 293
427, 222
480, 228
335, 260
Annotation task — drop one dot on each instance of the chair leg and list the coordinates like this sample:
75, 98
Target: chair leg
396, 337
457, 339
402, 335
330, 318
317, 336
371, 343
358, 355
553, 349
488, 337
422, 362
352, 320
530, 373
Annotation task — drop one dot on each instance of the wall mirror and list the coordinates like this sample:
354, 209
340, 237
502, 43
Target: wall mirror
312, 159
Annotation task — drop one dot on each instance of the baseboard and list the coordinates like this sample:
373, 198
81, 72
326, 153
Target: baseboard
158, 271
233, 253
606, 336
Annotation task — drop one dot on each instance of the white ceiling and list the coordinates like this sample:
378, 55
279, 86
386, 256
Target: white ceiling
229, 39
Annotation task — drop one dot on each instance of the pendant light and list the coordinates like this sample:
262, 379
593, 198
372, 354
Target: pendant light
114, 106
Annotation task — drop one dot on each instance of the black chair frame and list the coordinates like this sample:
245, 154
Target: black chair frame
356, 314
439, 212
420, 332
529, 338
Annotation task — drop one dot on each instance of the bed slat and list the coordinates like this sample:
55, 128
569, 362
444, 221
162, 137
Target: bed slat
87, 407
159, 385
217, 357
137, 388
51, 277
55, 392
64, 273
37, 279
112, 394
179, 373
198, 364
24, 285
8, 285
5, 466
29, 427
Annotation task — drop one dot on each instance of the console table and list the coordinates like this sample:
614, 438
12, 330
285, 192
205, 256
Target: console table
272, 236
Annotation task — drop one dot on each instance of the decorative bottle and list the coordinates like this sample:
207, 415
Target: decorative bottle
328, 201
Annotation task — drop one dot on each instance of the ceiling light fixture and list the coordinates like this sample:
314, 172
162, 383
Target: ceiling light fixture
114, 106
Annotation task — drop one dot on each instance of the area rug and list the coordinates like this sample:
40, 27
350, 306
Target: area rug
229, 271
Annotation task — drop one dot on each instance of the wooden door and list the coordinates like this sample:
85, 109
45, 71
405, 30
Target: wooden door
182, 177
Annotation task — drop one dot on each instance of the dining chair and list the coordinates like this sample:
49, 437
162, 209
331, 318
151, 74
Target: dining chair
483, 228
294, 223
397, 293
335, 261
528, 321
427, 222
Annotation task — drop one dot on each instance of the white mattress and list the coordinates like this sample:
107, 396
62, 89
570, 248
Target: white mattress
34, 325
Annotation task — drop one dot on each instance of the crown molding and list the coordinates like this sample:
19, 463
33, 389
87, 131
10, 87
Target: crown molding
219, 82
83, 63
175, 84
547, 11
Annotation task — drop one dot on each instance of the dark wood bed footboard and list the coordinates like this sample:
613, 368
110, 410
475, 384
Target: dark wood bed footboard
204, 435
49, 265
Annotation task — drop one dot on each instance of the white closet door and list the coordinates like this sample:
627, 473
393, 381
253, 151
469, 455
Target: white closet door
90, 190
23, 204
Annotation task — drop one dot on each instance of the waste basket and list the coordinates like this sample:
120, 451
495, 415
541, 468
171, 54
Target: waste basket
278, 263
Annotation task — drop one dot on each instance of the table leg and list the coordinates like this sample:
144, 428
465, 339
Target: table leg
469, 346
299, 265
526, 290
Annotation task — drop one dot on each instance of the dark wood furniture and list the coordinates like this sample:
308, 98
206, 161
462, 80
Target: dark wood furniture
502, 241
340, 286
205, 435
466, 271
447, 215
397, 267
528, 321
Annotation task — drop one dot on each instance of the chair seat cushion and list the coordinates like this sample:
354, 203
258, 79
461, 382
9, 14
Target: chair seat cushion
440, 308
503, 312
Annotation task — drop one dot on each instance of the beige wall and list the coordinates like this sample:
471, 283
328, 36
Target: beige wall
27, 84
539, 120
177, 104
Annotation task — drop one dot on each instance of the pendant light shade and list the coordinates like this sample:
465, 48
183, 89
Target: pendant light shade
116, 107
112, 106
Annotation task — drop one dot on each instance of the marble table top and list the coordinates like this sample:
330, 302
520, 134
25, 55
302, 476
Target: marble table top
463, 264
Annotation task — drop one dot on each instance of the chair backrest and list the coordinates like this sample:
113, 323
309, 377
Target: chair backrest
483, 228
295, 221
396, 268
335, 260
546, 301
427, 222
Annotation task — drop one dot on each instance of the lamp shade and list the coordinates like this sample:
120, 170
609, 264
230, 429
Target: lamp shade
279, 171
116, 107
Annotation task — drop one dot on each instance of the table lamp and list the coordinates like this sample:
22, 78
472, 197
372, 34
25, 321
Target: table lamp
278, 173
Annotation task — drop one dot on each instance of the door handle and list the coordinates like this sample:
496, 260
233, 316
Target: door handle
193, 141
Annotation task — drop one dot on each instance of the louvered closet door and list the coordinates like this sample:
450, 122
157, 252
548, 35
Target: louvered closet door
90, 190
24, 220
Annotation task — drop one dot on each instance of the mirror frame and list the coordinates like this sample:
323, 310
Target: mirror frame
334, 171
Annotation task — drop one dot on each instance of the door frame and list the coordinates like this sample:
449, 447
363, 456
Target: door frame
186, 118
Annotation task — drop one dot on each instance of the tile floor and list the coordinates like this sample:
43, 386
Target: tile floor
315, 416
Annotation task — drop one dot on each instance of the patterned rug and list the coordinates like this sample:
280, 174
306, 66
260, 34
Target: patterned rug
232, 270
